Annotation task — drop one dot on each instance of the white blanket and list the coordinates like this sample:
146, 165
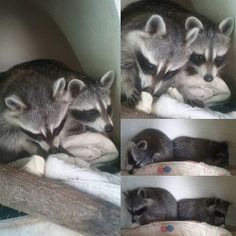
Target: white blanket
177, 228
183, 168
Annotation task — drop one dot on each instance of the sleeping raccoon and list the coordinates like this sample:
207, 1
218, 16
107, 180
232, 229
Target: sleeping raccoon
147, 205
33, 111
148, 146
201, 150
154, 48
210, 210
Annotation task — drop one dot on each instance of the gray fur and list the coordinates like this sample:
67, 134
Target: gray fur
201, 150
94, 97
147, 147
153, 204
149, 31
33, 103
210, 210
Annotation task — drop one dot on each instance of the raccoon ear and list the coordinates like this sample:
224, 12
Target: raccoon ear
75, 86
58, 88
191, 36
142, 192
107, 79
142, 144
227, 26
193, 22
156, 25
15, 103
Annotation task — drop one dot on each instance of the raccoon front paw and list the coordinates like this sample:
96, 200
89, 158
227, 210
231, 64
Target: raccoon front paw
134, 98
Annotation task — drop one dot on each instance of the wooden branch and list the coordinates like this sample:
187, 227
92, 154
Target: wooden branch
57, 203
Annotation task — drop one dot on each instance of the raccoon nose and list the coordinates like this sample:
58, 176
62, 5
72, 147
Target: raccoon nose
108, 128
208, 78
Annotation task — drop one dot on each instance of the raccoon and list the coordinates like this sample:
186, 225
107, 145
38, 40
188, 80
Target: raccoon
210, 210
92, 108
149, 146
153, 49
33, 110
147, 205
208, 56
201, 150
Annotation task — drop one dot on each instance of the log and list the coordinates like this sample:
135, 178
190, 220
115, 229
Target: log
49, 200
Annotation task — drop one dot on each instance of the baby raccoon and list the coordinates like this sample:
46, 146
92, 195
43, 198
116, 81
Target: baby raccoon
208, 55
210, 210
153, 49
92, 107
33, 110
201, 150
147, 205
147, 147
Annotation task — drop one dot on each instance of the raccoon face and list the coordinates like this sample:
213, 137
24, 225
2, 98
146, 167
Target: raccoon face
41, 113
209, 50
137, 203
159, 54
138, 155
218, 210
93, 107
221, 155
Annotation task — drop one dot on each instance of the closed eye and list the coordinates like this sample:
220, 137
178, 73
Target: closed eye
85, 115
140, 211
37, 137
146, 66
219, 214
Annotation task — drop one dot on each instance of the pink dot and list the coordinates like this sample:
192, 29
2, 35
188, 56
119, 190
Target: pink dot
163, 229
160, 170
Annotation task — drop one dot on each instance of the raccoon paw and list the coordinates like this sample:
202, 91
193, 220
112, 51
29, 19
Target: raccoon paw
134, 98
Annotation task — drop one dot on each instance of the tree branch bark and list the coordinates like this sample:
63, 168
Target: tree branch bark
57, 203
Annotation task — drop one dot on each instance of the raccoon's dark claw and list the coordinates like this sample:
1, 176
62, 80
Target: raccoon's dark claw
134, 98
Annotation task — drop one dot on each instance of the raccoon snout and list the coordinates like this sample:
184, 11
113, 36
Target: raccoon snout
108, 128
208, 78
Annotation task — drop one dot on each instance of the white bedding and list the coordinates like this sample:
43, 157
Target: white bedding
171, 104
177, 228
183, 168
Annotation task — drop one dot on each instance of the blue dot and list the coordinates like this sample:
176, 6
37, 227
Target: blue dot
170, 228
167, 169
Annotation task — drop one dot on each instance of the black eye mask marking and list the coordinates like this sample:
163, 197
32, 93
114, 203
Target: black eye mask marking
191, 70
140, 211
85, 115
109, 110
57, 130
170, 74
146, 66
197, 59
219, 214
37, 137
220, 60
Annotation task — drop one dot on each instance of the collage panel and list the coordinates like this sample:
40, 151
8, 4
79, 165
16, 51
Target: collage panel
178, 118
170, 147
59, 117
177, 206
177, 59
